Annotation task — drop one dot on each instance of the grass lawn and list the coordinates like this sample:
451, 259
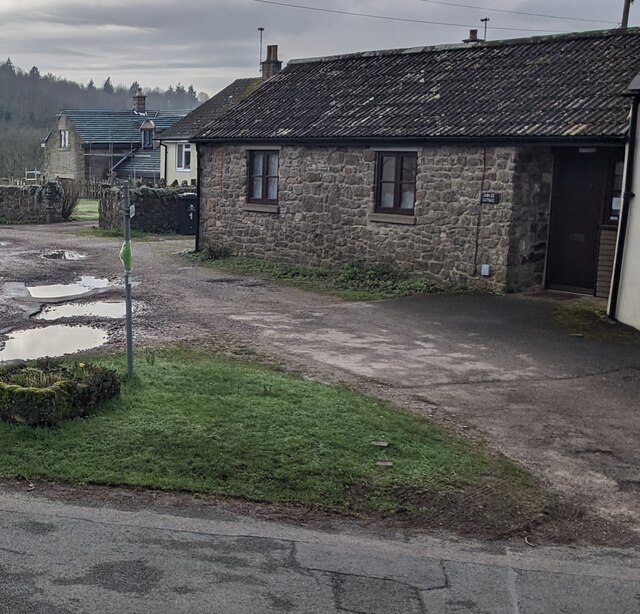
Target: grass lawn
138, 235
210, 425
353, 282
86, 211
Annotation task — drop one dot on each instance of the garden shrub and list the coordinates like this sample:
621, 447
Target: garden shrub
49, 392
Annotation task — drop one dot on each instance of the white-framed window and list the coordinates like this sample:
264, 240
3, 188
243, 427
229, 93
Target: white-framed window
64, 139
183, 157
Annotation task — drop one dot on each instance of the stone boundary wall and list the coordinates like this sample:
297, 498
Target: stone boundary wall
325, 217
157, 209
31, 204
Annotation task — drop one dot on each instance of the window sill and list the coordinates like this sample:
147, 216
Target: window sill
392, 218
257, 208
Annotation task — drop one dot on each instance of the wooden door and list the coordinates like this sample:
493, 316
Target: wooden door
580, 186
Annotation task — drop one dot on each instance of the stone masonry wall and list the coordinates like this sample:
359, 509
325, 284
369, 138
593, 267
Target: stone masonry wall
157, 210
530, 218
31, 204
326, 212
67, 162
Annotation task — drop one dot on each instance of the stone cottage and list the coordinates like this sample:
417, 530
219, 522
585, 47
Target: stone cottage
493, 165
88, 145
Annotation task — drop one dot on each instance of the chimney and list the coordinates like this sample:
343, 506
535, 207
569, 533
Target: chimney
140, 102
473, 37
272, 65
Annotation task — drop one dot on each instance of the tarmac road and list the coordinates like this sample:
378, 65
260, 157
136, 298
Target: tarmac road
58, 557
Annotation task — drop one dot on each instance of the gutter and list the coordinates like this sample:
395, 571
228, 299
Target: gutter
198, 175
627, 197
569, 140
166, 154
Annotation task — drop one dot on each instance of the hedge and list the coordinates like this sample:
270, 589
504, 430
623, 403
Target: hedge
48, 393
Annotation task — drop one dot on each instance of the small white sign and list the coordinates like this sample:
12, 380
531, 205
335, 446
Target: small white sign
132, 211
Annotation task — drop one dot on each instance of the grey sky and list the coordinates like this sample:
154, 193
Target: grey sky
211, 42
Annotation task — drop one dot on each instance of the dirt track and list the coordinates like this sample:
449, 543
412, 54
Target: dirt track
497, 368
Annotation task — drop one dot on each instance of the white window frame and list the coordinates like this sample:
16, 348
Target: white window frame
64, 139
181, 148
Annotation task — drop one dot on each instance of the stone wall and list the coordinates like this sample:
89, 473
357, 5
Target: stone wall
326, 213
31, 204
156, 210
64, 162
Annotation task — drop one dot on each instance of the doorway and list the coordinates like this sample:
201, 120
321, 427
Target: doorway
581, 187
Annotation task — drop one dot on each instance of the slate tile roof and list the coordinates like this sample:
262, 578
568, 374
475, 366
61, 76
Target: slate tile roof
117, 127
555, 86
142, 163
213, 108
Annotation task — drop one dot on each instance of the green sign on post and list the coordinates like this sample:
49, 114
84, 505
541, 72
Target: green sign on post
126, 256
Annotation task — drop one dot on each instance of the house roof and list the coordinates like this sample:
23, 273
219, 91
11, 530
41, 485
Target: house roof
552, 86
213, 108
142, 163
117, 127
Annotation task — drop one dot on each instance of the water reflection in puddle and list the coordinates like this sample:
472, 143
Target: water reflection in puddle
63, 254
85, 285
98, 309
51, 341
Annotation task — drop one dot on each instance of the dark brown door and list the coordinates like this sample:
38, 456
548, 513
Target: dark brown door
580, 185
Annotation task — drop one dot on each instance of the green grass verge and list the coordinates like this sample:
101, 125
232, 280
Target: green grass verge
211, 425
593, 322
86, 211
352, 282
108, 233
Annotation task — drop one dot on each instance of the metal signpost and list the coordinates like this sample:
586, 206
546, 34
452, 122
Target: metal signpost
126, 256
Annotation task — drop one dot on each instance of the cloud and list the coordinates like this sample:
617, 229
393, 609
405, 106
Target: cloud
210, 42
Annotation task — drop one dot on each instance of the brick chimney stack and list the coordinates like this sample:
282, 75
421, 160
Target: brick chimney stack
272, 65
140, 102
473, 37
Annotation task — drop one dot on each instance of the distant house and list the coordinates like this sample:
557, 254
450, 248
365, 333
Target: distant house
91, 144
491, 165
178, 155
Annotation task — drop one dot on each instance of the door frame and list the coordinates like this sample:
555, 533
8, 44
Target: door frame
610, 151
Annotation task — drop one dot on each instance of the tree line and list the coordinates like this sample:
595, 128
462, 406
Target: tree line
30, 102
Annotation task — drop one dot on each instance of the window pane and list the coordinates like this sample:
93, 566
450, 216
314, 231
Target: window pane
617, 182
408, 196
409, 164
179, 150
273, 165
258, 164
388, 168
616, 205
387, 195
256, 187
187, 159
272, 188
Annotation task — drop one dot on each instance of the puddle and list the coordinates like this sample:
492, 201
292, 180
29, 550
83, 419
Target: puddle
85, 285
51, 341
98, 309
63, 254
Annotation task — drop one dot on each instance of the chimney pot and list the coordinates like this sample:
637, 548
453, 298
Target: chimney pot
272, 65
473, 37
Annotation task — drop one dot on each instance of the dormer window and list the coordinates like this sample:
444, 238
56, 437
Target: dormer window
147, 139
147, 132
